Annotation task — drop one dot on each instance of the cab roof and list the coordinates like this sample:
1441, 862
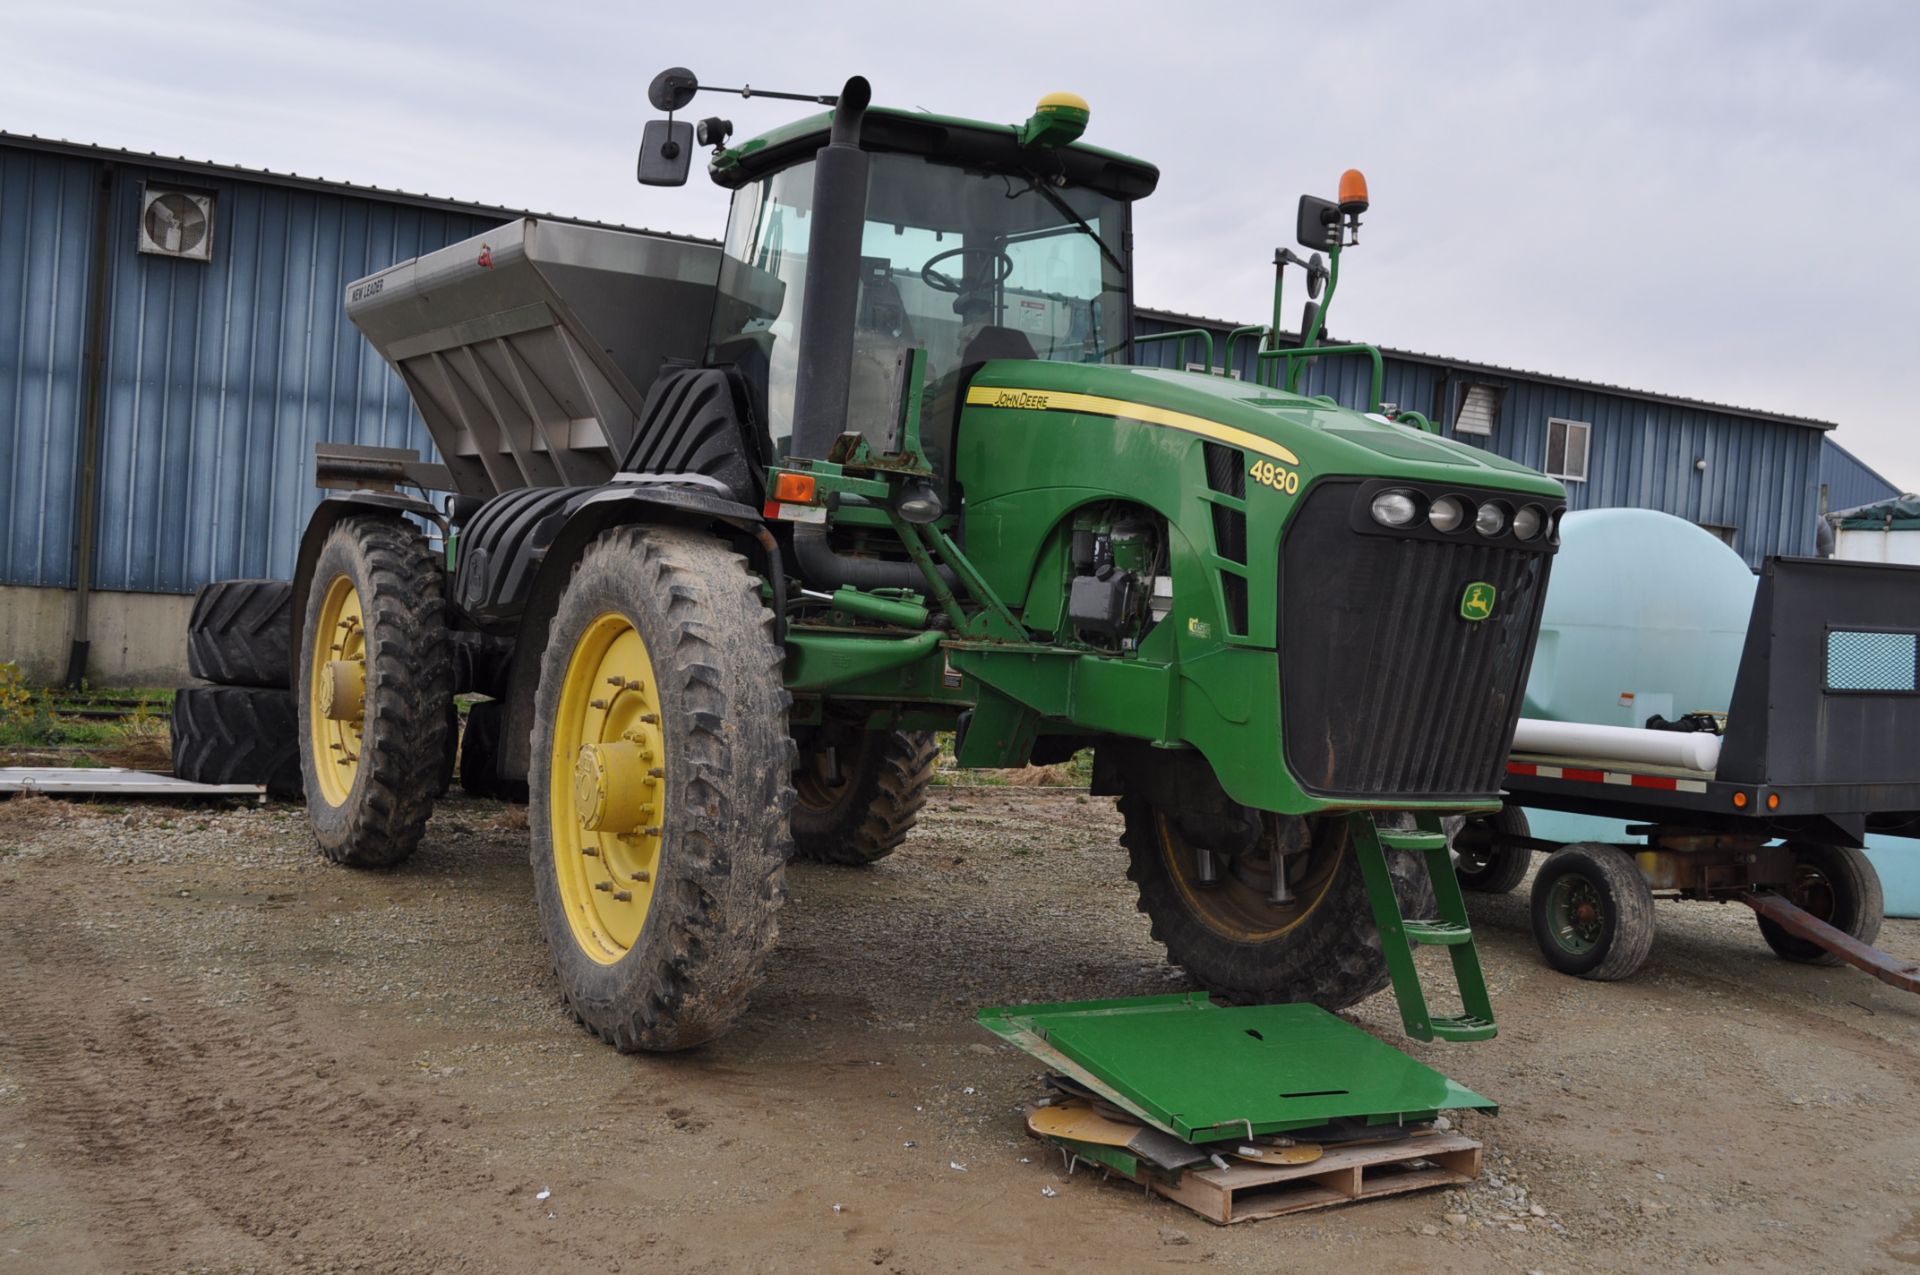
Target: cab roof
941, 138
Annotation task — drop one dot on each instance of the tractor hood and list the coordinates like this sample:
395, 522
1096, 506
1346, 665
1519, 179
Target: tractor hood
1328, 440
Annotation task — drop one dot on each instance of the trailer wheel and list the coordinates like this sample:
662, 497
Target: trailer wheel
1839, 885
1592, 912
1487, 868
660, 788
1321, 947
378, 683
859, 792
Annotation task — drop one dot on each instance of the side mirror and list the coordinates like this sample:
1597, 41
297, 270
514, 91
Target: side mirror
1316, 276
666, 153
1318, 225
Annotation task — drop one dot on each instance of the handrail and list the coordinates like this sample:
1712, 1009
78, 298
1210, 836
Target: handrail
1226, 351
1285, 357
1183, 335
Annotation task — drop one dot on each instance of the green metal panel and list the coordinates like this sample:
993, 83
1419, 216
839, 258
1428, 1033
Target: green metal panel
1209, 1073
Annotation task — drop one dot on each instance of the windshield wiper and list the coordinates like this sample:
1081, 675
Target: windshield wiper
1065, 209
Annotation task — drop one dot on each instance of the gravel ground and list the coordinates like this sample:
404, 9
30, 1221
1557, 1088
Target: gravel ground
219, 1053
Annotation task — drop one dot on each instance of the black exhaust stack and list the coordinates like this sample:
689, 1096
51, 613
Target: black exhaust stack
827, 316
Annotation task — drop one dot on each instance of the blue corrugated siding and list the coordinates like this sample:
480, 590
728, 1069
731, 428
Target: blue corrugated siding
222, 376
46, 237
1761, 477
1848, 481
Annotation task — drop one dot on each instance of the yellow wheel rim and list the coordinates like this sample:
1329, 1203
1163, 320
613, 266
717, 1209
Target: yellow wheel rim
606, 795
336, 689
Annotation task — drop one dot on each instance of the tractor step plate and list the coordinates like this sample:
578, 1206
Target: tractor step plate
1207, 1073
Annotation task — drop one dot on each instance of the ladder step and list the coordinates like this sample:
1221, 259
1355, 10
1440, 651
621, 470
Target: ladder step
1446, 932
1413, 840
1463, 1027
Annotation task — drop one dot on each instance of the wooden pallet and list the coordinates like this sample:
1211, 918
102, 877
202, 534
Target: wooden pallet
1244, 1192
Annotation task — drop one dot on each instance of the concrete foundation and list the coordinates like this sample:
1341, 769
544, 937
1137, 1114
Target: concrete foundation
139, 639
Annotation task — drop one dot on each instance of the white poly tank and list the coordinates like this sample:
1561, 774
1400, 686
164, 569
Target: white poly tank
1646, 613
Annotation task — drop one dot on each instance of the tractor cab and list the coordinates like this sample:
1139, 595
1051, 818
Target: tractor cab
975, 242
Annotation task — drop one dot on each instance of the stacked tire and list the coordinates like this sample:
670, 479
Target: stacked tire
244, 729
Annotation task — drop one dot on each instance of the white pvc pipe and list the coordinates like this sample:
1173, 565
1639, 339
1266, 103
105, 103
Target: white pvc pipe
1689, 750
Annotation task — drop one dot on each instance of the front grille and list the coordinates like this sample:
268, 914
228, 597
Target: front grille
1386, 691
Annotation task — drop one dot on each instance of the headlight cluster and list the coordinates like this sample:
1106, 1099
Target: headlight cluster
1448, 514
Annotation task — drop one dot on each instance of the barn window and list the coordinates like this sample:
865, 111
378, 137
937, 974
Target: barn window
1567, 449
1479, 409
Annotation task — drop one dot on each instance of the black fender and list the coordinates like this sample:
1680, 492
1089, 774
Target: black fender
328, 514
544, 563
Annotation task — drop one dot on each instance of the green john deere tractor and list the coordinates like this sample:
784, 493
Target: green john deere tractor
731, 531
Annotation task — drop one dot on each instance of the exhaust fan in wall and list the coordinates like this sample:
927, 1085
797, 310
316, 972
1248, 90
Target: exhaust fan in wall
176, 223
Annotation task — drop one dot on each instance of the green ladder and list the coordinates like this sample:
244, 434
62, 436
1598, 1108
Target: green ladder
1449, 929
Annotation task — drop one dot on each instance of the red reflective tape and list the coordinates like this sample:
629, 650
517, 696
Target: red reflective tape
1584, 776
1522, 768
1656, 781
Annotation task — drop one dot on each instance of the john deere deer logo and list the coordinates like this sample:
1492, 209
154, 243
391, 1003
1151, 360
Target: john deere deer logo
1477, 602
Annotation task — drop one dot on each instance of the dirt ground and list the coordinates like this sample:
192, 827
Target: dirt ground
218, 1053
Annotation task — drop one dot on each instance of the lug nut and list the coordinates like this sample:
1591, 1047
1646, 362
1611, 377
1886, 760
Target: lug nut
603, 885
642, 876
623, 896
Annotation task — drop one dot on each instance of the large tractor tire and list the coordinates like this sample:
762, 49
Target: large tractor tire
1839, 885
859, 792
240, 633
1592, 912
237, 735
377, 686
1488, 868
660, 788
478, 751
1323, 946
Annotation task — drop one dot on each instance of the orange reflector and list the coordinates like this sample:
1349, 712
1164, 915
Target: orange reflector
1773, 801
1353, 191
795, 489
1740, 800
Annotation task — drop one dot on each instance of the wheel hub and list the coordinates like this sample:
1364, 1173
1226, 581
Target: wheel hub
609, 780
343, 690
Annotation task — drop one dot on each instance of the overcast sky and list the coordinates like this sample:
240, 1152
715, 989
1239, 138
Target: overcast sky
1719, 200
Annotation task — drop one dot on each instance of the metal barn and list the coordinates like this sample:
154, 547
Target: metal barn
173, 344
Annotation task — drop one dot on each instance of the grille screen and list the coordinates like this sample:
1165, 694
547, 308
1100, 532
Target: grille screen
1386, 690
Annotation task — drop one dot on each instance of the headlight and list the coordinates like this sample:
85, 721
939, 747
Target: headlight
1528, 522
1447, 513
1394, 509
1491, 519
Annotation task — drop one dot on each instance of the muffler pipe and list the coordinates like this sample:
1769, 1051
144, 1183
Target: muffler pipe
827, 315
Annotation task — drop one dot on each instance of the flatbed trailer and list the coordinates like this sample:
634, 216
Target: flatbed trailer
1821, 747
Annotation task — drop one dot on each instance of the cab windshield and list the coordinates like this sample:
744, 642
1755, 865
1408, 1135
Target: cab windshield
967, 264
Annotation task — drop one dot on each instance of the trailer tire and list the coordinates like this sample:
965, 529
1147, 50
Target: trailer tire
1497, 869
884, 777
1839, 885
240, 633
377, 602
1325, 950
661, 788
237, 735
479, 751
1592, 912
